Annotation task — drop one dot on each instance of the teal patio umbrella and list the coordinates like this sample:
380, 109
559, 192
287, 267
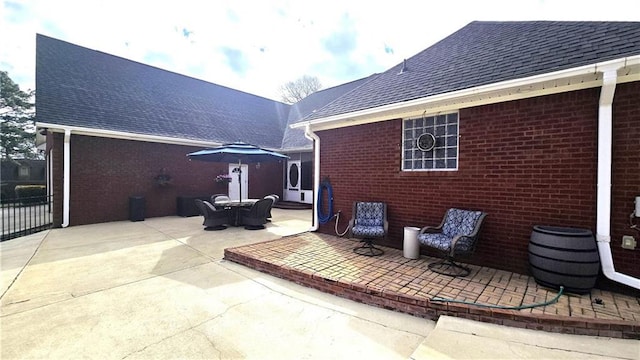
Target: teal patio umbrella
237, 152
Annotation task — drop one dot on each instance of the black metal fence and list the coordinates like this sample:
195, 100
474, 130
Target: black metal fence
26, 216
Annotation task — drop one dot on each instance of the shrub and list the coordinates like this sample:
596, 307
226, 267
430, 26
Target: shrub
31, 194
6, 193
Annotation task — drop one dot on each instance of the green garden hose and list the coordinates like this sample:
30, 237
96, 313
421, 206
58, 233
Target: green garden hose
520, 307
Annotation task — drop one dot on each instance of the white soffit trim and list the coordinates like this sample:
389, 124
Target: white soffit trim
583, 77
123, 135
296, 150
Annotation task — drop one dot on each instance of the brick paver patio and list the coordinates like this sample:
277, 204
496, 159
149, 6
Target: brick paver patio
394, 282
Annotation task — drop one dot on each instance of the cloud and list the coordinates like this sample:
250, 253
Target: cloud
232, 16
255, 46
186, 33
344, 41
16, 12
236, 60
13, 6
340, 43
157, 58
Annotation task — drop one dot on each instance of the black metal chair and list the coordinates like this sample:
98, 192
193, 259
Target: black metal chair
255, 217
368, 221
455, 236
214, 219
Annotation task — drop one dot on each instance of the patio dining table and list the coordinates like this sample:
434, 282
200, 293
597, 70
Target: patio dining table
235, 206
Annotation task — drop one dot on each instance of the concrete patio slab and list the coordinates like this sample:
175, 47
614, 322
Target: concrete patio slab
160, 289
15, 255
456, 338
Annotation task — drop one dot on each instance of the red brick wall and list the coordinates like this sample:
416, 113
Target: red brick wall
524, 162
106, 172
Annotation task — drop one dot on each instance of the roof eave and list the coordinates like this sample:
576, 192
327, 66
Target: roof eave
77, 130
111, 134
578, 78
297, 149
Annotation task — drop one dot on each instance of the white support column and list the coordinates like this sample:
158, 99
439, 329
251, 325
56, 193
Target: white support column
66, 181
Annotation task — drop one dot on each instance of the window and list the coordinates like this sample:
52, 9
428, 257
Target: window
306, 168
24, 171
421, 152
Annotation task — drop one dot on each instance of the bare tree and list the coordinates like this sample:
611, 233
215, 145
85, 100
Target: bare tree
294, 91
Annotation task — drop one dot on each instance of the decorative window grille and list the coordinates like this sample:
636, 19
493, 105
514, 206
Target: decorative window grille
439, 156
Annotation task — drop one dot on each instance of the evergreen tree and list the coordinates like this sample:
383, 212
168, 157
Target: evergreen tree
17, 129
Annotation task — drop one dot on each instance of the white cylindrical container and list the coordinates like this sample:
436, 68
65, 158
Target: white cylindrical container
411, 246
637, 206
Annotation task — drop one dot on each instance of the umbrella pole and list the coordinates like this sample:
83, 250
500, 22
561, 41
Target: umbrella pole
240, 180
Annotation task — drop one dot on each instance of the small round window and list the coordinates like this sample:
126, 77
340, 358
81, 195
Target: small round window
426, 142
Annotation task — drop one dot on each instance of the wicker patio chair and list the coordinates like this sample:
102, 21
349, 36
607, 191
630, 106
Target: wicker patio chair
255, 217
214, 219
275, 199
218, 197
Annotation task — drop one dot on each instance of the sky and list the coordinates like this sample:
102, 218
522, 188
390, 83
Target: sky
257, 46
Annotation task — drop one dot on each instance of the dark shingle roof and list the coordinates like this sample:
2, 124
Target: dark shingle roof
294, 138
489, 52
86, 88
80, 87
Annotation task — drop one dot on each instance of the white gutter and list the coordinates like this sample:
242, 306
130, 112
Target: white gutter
605, 138
66, 181
559, 81
112, 134
78, 130
309, 134
295, 150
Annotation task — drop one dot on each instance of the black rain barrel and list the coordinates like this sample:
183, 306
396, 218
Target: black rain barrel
564, 256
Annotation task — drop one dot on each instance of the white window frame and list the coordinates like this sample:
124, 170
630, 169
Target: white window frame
441, 141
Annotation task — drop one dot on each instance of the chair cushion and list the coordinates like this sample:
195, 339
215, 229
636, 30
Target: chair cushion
367, 231
369, 214
442, 242
460, 222
438, 240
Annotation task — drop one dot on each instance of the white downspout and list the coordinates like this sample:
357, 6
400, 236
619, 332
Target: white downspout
605, 138
309, 134
66, 181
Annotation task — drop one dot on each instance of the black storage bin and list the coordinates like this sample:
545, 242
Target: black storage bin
136, 208
186, 206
